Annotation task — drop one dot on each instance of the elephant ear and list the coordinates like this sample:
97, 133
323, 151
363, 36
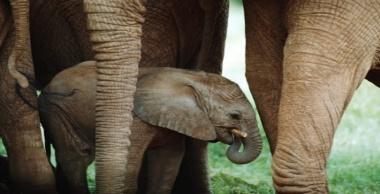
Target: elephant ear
163, 100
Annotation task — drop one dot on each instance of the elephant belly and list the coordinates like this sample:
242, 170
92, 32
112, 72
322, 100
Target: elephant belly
171, 33
58, 36
374, 76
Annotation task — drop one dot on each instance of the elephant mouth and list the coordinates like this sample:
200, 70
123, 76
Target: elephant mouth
227, 135
239, 133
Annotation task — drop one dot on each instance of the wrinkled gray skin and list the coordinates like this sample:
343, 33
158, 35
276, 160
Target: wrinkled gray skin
184, 34
19, 121
127, 34
305, 59
195, 104
274, 30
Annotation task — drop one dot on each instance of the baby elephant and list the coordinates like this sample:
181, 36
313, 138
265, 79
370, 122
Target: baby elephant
170, 105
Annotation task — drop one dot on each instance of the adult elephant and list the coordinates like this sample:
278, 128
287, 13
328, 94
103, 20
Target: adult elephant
29, 169
187, 34
304, 61
59, 40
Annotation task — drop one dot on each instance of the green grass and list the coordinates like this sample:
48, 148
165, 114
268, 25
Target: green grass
354, 163
91, 177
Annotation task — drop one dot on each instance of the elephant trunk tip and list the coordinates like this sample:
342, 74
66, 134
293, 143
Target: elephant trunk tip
252, 149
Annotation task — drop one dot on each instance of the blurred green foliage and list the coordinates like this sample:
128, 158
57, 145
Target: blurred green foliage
239, 2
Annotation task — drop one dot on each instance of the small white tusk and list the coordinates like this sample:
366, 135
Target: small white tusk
239, 133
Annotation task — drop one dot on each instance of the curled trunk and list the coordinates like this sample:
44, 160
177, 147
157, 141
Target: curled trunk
252, 147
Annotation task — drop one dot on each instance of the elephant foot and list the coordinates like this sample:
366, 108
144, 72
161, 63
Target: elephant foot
298, 173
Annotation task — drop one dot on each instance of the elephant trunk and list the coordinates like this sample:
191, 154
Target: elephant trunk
115, 31
20, 13
252, 146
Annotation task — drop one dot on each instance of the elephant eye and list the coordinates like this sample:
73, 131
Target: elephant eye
235, 116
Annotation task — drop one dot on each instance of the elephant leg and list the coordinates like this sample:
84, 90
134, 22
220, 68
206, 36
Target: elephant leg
193, 176
73, 178
72, 163
210, 56
72, 170
163, 164
4, 175
328, 52
72, 153
141, 137
62, 184
20, 127
265, 37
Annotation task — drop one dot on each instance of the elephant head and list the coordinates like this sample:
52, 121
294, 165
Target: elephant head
202, 105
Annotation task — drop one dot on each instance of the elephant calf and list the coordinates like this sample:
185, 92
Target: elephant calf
170, 105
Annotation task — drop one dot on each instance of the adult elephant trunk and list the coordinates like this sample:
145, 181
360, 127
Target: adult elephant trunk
252, 145
20, 12
115, 31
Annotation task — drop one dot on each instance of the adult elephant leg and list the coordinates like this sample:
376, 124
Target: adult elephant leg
29, 169
265, 37
210, 56
19, 119
115, 29
328, 52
